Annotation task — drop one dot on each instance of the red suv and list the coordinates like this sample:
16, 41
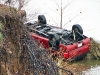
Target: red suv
70, 43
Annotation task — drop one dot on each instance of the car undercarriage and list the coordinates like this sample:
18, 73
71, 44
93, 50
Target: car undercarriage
73, 41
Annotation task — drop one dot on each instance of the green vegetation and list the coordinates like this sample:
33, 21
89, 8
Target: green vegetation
1, 36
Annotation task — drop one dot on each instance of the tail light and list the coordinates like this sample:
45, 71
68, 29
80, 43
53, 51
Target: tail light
66, 55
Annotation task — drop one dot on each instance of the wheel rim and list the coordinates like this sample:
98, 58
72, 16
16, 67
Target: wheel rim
53, 42
76, 30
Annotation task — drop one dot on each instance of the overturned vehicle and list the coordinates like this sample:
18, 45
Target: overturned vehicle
69, 43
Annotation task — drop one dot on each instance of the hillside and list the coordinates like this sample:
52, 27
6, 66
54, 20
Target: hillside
19, 53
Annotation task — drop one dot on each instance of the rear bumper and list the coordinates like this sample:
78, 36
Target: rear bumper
76, 53
81, 56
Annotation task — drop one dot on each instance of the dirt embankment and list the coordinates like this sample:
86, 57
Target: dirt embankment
19, 53
12, 12
10, 48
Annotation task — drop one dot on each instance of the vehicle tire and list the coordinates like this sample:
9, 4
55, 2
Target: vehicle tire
54, 41
77, 28
42, 19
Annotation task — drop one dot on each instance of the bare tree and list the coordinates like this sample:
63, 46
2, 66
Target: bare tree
19, 4
22, 3
8, 2
61, 7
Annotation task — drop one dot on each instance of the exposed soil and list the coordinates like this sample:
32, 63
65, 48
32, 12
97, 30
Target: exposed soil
10, 47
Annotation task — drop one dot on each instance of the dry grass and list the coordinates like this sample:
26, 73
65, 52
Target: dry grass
76, 68
94, 50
